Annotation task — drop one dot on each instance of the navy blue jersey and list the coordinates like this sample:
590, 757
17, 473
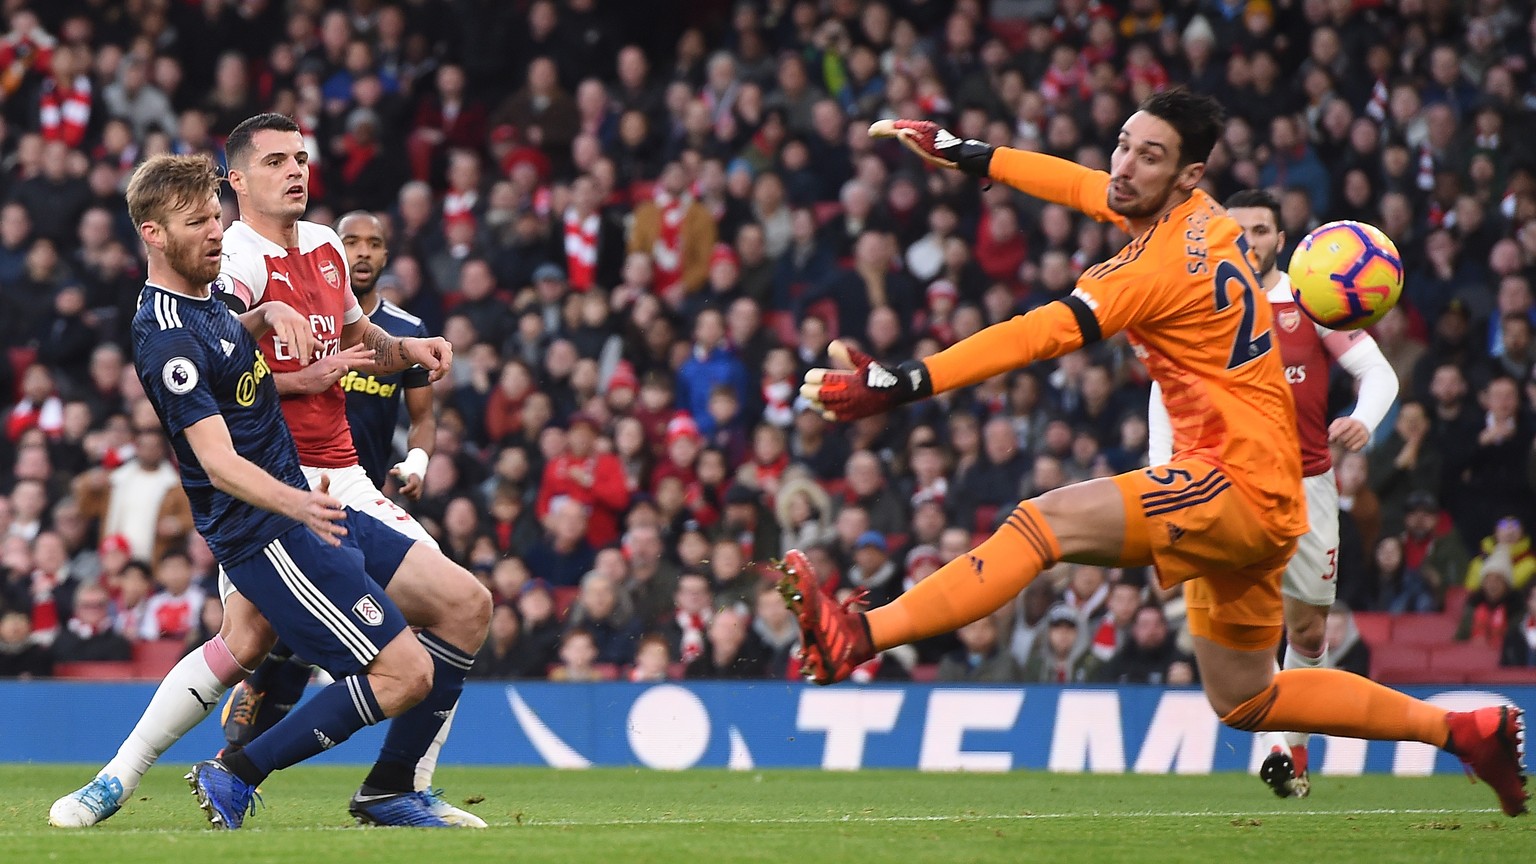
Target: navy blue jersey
196, 360
373, 401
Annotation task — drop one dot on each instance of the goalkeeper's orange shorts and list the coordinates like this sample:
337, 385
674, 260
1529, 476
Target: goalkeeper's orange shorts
1188, 519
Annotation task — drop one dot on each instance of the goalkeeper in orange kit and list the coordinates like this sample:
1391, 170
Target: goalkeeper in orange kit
1222, 517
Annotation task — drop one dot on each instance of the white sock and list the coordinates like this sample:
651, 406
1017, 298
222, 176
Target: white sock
189, 692
428, 764
1298, 660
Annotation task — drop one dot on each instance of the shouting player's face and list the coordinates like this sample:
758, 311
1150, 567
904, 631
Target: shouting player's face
1265, 239
275, 182
194, 241
1144, 170
363, 238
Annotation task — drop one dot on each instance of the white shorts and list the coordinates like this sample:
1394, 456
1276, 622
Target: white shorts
1312, 574
351, 486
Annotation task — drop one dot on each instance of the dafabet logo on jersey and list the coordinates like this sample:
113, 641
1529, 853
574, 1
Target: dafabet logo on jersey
245, 388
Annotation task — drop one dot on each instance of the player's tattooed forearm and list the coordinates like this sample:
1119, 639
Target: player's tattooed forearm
388, 351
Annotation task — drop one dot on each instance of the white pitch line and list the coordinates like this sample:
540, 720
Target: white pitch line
851, 819
988, 817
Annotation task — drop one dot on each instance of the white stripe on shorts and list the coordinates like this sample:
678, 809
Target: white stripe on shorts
320, 606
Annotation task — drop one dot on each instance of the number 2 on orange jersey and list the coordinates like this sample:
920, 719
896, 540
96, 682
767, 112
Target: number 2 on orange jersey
1246, 347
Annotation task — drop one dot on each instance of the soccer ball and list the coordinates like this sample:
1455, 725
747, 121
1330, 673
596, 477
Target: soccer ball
1346, 275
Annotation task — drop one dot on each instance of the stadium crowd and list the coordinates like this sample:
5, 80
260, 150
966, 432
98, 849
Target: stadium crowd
640, 223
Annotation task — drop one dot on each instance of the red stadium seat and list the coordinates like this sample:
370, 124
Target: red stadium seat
606, 671
20, 358
986, 516
153, 658
1414, 675
1395, 655
1455, 601
1503, 675
826, 310
564, 597
95, 670
782, 325
826, 211
1375, 627
1465, 658
925, 673
1427, 629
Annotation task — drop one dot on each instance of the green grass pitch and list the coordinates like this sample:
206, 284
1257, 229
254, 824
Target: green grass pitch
713, 817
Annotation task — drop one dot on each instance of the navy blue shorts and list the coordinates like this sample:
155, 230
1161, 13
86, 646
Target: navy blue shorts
326, 602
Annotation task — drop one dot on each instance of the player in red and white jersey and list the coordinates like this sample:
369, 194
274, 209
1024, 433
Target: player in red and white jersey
1308, 350
312, 278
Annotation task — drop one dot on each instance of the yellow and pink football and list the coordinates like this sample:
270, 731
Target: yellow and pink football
1346, 275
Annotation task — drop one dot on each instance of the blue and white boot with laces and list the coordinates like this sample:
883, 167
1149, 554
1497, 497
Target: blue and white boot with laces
395, 809
454, 816
94, 802
224, 798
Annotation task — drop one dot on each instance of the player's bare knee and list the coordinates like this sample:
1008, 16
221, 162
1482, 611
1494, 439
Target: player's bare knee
401, 677
1307, 632
249, 642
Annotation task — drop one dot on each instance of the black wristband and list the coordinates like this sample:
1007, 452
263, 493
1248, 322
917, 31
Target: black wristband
975, 158
914, 383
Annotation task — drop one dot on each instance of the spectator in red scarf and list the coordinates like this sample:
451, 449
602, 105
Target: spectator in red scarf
1493, 608
366, 176
677, 232
591, 242
595, 480
64, 103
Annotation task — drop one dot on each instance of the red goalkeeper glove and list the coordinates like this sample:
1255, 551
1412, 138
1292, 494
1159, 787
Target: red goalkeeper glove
938, 145
870, 388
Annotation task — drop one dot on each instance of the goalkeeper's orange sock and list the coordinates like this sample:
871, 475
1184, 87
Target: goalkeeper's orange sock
1335, 702
971, 586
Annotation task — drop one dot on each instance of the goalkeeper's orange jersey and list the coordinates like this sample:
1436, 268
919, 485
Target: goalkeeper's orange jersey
1189, 300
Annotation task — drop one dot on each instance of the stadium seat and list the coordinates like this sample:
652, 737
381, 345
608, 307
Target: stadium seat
606, 671
95, 670
1504, 675
1426, 629
1466, 658
1455, 601
20, 358
564, 597
153, 658
1375, 627
826, 310
1394, 655
925, 673
1414, 675
826, 211
782, 325
986, 519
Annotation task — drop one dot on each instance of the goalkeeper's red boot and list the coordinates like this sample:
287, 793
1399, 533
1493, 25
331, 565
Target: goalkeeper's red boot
834, 640
1491, 742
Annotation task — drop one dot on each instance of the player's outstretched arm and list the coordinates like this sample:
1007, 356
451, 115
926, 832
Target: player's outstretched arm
234, 474
1045, 177
865, 387
396, 354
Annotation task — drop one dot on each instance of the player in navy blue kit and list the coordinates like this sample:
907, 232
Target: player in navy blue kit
296, 556
373, 407
373, 400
